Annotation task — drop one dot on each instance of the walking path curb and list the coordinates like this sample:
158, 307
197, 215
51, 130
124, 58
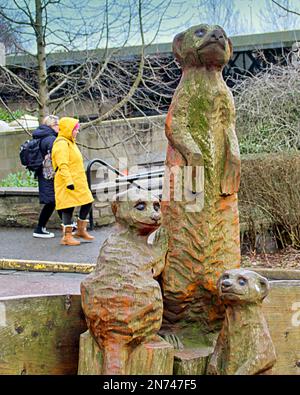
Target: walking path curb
46, 266
86, 268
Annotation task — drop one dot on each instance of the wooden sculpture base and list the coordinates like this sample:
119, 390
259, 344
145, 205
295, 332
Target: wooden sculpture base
151, 358
191, 361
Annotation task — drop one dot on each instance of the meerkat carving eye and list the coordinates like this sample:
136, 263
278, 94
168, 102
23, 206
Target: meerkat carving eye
242, 281
200, 33
156, 206
140, 206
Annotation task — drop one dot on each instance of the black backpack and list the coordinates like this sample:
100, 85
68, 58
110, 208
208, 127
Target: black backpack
31, 155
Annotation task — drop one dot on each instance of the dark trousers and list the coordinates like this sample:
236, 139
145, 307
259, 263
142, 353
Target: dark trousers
67, 213
45, 214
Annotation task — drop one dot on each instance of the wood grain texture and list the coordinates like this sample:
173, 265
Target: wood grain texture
244, 345
191, 361
121, 299
200, 128
40, 335
151, 358
282, 312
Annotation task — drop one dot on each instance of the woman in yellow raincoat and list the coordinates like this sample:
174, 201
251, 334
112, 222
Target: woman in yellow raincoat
70, 182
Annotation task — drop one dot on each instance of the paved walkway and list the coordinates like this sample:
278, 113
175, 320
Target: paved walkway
20, 283
18, 243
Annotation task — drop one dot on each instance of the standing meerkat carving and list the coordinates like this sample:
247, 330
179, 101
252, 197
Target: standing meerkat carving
200, 128
121, 299
244, 345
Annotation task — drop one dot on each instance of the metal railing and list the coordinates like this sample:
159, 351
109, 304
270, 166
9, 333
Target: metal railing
122, 178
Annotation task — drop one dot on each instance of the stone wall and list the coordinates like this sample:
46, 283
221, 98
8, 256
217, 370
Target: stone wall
9, 151
19, 207
137, 141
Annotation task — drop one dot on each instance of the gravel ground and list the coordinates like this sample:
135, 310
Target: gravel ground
289, 258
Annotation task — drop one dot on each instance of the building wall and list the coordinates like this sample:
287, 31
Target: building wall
9, 151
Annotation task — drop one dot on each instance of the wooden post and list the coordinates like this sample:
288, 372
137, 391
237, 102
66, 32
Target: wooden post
151, 358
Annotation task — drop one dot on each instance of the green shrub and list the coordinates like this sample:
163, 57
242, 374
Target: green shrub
8, 117
19, 179
270, 191
268, 111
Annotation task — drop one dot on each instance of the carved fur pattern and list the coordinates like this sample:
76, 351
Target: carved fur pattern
121, 299
201, 244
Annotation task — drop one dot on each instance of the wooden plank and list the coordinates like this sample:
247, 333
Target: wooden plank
40, 335
282, 312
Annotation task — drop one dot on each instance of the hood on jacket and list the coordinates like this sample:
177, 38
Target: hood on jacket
66, 126
43, 131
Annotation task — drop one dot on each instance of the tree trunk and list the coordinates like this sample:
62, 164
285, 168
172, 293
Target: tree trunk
41, 59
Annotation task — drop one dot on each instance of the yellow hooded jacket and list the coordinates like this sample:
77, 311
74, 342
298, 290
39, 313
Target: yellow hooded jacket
68, 161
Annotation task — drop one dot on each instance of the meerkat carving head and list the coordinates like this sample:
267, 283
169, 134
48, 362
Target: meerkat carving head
242, 286
138, 209
203, 45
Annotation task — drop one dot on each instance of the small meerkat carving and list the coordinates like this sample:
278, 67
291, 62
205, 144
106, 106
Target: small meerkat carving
200, 128
244, 345
121, 299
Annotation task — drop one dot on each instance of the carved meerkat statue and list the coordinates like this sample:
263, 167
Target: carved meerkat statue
200, 128
121, 299
244, 345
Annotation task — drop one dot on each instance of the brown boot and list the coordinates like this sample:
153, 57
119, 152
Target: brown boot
81, 230
68, 238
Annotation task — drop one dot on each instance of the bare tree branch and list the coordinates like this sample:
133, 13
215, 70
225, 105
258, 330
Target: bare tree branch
101, 84
285, 8
22, 83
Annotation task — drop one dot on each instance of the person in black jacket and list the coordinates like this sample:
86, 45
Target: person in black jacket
47, 133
